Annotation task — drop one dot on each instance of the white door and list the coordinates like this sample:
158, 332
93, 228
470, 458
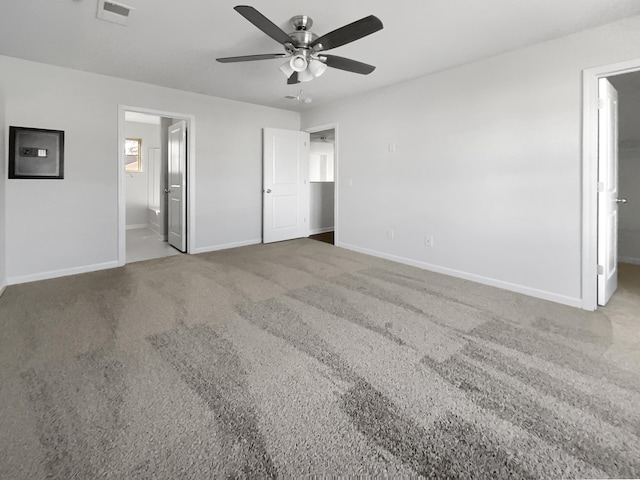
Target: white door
285, 185
607, 191
177, 185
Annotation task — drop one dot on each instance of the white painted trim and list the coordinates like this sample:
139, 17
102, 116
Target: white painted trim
336, 175
191, 172
226, 246
317, 231
631, 260
513, 287
61, 273
122, 195
3, 287
590, 79
135, 227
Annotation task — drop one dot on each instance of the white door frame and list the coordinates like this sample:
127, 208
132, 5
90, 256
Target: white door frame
191, 185
336, 183
590, 79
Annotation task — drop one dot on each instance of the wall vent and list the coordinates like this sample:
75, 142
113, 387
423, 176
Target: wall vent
113, 12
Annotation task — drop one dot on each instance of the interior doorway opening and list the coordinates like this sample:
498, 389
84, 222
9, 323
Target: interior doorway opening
322, 179
607, 244
146, 170
628, 88
155, 169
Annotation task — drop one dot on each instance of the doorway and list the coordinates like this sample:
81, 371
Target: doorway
624, 77
628, 88
147, 216
322, 180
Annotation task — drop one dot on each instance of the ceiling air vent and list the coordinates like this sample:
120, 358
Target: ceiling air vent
113, 12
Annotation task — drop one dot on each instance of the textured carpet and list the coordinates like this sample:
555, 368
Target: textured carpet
300, 358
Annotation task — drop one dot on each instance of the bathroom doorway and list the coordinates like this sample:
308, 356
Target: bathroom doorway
154, 166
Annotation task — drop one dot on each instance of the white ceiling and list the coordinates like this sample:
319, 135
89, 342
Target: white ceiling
175, 43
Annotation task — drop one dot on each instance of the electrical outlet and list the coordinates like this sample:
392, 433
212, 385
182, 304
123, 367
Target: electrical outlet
390, 234
428, 240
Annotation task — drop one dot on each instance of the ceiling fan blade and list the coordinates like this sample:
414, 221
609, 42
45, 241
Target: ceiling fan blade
347, 64
263, 23
249, 58
347, 34
293, 79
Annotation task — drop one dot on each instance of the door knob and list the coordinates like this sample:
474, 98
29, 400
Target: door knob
621, 200
166, 190
268, 190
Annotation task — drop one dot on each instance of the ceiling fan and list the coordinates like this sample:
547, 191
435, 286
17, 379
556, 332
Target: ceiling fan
304, 49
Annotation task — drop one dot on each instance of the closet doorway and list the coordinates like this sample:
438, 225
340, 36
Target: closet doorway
322, 179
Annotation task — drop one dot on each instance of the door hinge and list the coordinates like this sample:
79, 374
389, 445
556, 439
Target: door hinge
600, 187
600, 270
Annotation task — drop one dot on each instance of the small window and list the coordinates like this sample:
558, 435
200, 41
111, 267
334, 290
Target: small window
132, 152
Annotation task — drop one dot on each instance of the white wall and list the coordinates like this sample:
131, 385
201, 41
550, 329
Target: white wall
68, 226
629, 214
322, 161
321, 207
137, 184
487, 160
3, 181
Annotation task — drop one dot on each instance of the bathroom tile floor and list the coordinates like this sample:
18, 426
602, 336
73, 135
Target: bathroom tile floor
145, 244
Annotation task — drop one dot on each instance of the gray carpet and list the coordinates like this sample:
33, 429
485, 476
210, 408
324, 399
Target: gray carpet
300, 358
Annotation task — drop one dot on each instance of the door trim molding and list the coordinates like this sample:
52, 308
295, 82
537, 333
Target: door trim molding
191, 184
590, 79
336, 175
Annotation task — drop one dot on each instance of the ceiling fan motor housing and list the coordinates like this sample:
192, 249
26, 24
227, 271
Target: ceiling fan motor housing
302, 38
301, 22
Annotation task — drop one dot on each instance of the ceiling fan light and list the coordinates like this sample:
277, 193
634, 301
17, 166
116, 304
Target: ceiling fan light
305, 76
298, 63
286, 69
317, 68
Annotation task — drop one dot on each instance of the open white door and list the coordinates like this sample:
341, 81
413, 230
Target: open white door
285, 185
176, 190
607, 191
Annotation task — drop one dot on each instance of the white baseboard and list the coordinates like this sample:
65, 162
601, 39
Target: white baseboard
226, 246
513, 287
2, 288
631, 260
316, 231
61, 273
134, 227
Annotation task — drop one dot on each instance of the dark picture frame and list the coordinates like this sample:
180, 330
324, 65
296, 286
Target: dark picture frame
36, 153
